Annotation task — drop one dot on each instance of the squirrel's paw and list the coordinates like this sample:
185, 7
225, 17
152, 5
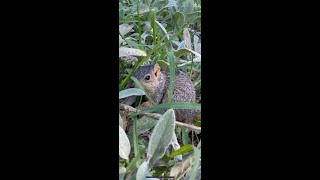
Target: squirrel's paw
144, 105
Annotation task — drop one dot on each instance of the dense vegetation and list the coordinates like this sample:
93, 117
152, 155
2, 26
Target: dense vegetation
167, 32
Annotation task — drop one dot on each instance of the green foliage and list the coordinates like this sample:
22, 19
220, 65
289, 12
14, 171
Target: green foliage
142, 171
194, 173
124, 144
131, 92
122, 172
172, 75
144, 124
184, 149
167, 32
120, 121
161, 137
175, 105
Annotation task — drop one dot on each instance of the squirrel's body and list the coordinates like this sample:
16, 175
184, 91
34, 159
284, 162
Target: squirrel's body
157, 82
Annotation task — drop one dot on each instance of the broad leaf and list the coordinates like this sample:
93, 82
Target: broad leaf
196, 45
162, 29
174, 105
125, 28
184, 149
180, 52
181, 45
196, 165
187, 6
143, 172
186, 36
143, 8
144, 124
179, 18
120, 121
124, 144
185, 136
135, 159
122, 172
161, 137
171, 3
124, 51
131, 92
120, 40
193, 16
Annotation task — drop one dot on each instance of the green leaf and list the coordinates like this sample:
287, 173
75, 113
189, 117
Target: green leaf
171, 3
154, 27
120, 40
120, 121
163, 64
184, 149
183, 51
174, 105
185, 136
163, 29
161, 137
199, 145
124, 144
193, 16
196, 164
139, 24
143, 8
143, 172
160, 170
131, 92
179, 18
172, 75
187, 6
124, 52
187, 39
125, 28
196, 45
135, 159
135, 141
158, 3
122, 172
144, 124
121, 14
197, 122
155, 59
182, 45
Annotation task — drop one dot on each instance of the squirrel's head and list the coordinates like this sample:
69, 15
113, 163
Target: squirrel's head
148, 76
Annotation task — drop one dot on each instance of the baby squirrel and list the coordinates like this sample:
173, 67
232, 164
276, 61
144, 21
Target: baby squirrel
156, 83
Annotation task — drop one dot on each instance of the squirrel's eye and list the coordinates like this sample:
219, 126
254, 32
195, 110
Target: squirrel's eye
147, 77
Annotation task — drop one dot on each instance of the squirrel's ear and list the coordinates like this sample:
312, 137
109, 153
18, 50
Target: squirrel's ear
156, 70
156, 67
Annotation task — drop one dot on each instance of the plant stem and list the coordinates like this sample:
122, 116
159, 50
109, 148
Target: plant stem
135, 141
139, 26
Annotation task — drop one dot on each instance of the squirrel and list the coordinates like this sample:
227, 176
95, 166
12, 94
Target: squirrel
156, 83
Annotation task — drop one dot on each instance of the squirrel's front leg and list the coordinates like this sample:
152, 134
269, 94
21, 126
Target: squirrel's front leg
144, 105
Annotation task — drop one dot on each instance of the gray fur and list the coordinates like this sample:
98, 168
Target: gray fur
142, 71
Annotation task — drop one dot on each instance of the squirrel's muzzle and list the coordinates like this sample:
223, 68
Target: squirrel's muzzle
131, 84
